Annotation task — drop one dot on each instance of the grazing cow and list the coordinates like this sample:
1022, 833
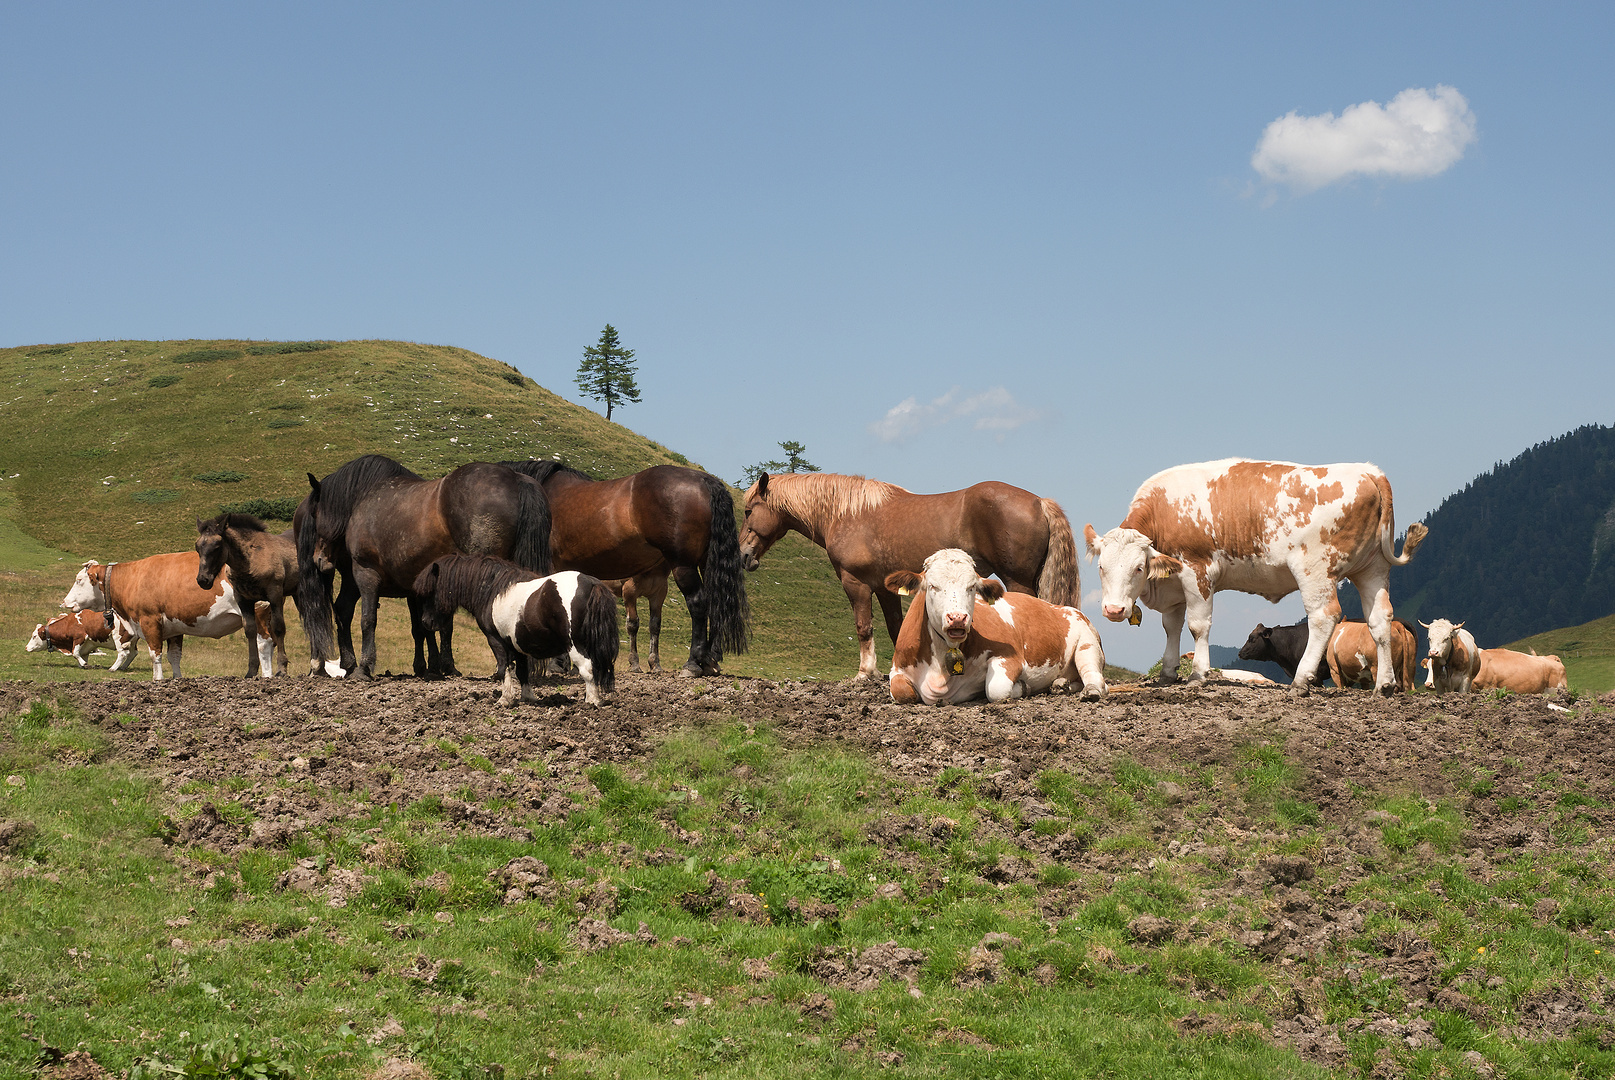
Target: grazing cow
77, 633
1454, 658
1523, 673
1263, 527
965, 637
1353, 657
158, 596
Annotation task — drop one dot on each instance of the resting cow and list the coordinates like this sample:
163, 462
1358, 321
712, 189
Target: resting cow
1523, 673
1454, 659
1263, 527
158, 596
77, 633
965, 637
1354, 658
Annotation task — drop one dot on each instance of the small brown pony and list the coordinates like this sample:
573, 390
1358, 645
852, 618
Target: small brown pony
664, 515
870, 528
263, 570
652, 585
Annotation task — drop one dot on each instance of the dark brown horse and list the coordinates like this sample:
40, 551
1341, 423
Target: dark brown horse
380, 524
871, 528
622, 528
263, 569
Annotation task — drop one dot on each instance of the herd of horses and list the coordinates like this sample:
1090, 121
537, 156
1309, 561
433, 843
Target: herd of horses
537, 551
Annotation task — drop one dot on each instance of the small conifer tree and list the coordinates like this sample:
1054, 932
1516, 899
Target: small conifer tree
606, 372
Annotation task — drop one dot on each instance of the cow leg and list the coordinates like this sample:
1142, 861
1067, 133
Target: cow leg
1004, 679
277, 633
1089, 661
1197, 610
1172, 623
860, 596
151, 628
125, 639
1373, 588
176, 649
82, 651
1323, 614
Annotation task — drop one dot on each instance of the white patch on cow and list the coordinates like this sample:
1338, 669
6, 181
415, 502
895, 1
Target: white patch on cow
1000, 687
1005, 612
221, 619
85, 593
37, 642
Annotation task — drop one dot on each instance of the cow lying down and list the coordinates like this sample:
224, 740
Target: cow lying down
966, 638
77, 633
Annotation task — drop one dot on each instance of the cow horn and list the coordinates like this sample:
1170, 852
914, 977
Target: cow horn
1424, 624
1457, 626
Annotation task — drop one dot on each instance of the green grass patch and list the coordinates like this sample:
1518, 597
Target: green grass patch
283, 422
167, 378
286, 347
205, 356
270, 509
154, 495
220, 476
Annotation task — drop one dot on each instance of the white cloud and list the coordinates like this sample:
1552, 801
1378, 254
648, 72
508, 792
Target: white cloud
1420, 133
994, 410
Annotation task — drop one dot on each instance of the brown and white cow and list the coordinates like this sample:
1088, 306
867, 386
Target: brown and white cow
1523, 673
1453, 656
77, 633
159, 597
965, 637
1353, 657
1263, 527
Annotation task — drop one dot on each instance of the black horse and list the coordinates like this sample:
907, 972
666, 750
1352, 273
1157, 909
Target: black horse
381, 524
683, 518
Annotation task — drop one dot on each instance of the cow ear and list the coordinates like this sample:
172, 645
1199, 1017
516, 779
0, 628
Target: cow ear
904, 582
1163, 567
991, 591
1092, 537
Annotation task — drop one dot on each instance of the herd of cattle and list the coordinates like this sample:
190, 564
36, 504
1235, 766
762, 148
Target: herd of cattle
1268, 528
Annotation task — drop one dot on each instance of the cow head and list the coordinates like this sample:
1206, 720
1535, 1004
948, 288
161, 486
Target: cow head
763, 524
1442, 633
1128, 562
1259, 646
949, 588
86, 591
38, 643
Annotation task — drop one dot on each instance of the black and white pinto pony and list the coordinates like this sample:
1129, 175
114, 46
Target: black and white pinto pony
528, 618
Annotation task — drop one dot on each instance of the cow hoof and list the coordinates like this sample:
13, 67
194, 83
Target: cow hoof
1299, 690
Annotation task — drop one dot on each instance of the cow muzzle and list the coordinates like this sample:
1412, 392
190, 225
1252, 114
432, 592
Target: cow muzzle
957, 626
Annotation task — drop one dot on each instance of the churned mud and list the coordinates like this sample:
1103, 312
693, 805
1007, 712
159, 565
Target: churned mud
384, 743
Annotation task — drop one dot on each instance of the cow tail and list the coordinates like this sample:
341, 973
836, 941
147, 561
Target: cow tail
1387, 528
1060, 581
532, 527
313, 592
722, 578
595, 636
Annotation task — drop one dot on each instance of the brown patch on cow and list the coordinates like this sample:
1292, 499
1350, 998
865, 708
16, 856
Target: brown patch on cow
1351, 639
1506, 669
1357, 531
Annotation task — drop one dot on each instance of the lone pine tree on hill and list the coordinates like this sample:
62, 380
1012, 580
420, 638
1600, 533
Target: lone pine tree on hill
607, 372
795, 461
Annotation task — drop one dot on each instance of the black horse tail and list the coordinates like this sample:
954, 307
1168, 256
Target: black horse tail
722, 576
595, 634
313, 590
532, 549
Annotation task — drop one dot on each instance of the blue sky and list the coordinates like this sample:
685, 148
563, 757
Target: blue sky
1040, 222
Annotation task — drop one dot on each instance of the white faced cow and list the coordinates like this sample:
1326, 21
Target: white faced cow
965, 638
1454, 659
1263, 527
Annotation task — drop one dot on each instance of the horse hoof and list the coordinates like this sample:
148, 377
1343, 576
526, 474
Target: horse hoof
688, 672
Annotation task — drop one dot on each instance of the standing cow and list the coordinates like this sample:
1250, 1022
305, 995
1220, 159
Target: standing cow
1263, 527
1352, 655
965, 637
1454, 659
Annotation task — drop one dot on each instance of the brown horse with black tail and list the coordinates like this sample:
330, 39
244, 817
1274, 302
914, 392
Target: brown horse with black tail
381, 524
623, 528
870, 528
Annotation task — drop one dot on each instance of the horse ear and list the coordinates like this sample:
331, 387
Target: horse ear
762, 483
313, 484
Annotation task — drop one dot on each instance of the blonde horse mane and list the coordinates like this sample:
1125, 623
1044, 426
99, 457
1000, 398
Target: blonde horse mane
820, 498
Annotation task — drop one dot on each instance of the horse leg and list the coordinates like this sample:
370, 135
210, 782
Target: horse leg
702, 660
891, 606
425, 643
860, 596
524, 675
342, 610
249, 630
517, 670
369, 587
653, 658
277, 632
445, 658
631, 602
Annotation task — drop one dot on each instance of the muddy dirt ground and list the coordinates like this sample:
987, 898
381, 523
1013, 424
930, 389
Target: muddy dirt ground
382, 739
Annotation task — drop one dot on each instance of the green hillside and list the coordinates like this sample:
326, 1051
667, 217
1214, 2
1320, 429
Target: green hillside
114, 449
1588, 652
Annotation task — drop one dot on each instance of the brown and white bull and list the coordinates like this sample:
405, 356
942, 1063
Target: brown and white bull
159, 597
1523, 673
964, 637
1352, 655
77, 633
1263, 527
1453, 657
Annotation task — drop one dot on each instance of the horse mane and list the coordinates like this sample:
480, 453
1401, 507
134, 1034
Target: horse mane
341, 491
241, 522
821, 498
472, 581
542, 470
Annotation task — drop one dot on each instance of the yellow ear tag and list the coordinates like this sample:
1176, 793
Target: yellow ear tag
956, 661
904, 592
1135, 616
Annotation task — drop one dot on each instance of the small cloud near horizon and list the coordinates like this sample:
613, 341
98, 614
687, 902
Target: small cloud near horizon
1419, 134
994, 410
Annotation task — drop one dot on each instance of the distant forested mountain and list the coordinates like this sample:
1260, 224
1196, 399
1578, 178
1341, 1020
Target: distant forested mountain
1524, 548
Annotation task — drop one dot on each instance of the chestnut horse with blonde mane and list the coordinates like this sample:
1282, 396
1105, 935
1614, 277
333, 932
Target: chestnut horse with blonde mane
870, 528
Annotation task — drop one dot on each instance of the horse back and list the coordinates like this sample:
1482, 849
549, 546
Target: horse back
1000, 525
624, 527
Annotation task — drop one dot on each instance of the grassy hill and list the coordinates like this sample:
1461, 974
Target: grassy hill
115, 448
1588, 652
